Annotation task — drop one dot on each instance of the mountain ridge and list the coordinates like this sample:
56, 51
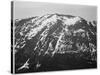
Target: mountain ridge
54, 34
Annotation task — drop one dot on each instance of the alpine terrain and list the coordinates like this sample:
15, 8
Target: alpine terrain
54, 42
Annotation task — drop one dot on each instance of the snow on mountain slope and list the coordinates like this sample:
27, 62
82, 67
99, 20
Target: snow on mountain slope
51, 35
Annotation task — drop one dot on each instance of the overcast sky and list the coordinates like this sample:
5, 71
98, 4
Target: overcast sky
29, 9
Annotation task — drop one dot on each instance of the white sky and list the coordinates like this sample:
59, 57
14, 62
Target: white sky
24, 9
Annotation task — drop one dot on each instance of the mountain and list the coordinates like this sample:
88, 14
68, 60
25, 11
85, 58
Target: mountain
54, 42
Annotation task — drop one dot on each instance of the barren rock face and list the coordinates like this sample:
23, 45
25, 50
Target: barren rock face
54, 42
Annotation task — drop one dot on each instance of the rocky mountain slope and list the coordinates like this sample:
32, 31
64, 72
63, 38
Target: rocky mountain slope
54, 42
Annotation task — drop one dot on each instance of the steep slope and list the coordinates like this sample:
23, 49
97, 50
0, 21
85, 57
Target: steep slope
53, 41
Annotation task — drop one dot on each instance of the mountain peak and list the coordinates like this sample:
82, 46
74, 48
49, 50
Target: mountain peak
54, 34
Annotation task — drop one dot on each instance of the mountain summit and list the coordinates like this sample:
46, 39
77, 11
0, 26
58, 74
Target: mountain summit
54, 42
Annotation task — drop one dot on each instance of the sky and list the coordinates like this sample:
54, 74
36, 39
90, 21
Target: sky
24, 9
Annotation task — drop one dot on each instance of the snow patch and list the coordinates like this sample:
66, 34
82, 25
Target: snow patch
57, 44
53, 19
70, 21
79, 30
25, 65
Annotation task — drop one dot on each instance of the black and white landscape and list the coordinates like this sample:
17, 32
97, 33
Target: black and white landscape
53, 42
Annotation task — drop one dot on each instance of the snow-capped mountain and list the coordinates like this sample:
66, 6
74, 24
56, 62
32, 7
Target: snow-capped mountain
54, 39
